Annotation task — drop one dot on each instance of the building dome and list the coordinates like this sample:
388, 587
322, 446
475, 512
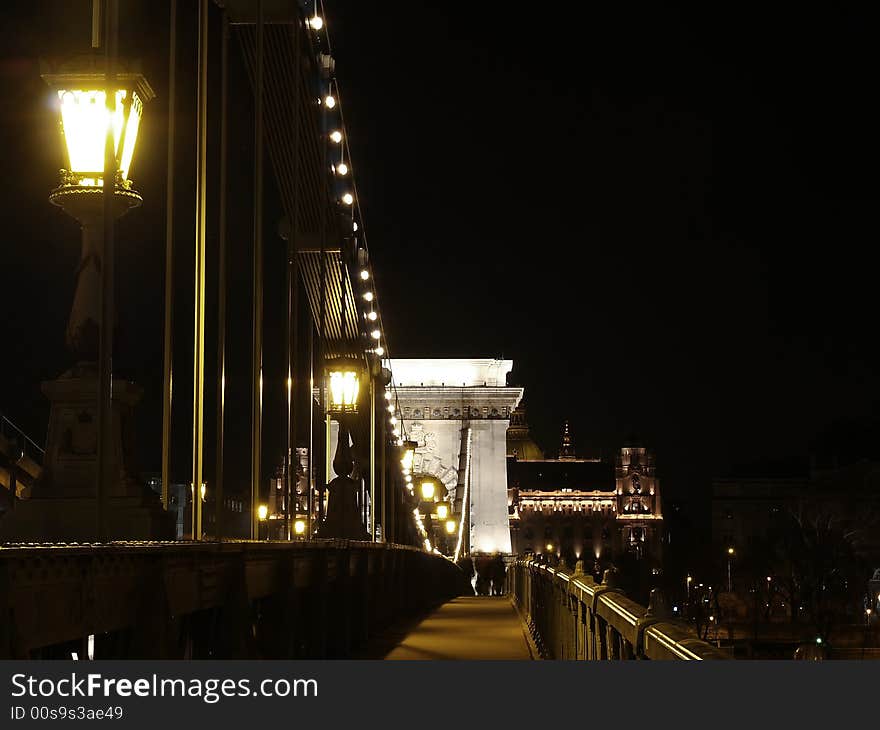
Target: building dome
520, 444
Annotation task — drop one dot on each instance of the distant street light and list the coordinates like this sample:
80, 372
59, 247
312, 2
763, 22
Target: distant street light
262, 515
730, 553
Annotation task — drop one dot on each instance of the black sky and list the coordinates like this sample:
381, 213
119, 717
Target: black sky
665, 217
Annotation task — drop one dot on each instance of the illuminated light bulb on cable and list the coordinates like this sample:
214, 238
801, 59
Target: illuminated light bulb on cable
387, 395
372, 316
336, 136
316, 23
365, 274
396, 433
342, 168
380, 350
375, 334
354, 226
330, 101
348, 198
393, 421
408, 478
368, 296
390, 408
400, 442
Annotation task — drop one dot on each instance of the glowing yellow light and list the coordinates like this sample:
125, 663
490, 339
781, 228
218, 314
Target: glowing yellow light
376, 334
388, 395
348, 198
380, 351
549, 546
316, 22
336, 136
427, 490
262, 512
730, 551
396, 433
409, 453
390, 408
365, 274
450, 527
299, 527
204, 491
330, 101
408, 478
442, 511
372, 316
342, 168
84, 119
393, 421
344, 388
368, 296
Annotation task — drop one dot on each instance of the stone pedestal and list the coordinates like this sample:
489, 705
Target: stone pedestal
63, 504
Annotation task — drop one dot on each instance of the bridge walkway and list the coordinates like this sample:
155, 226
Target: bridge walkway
468, 627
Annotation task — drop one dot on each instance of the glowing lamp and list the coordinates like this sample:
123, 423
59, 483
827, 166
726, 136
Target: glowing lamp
450, 526
299, 527
262, 512
442, 510
80, 94
379, 350
342, 168
330, 101
409, 452
343, 384
316, 22
336, 136
428, 490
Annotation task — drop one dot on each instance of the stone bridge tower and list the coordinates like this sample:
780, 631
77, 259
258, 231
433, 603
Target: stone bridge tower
458, 411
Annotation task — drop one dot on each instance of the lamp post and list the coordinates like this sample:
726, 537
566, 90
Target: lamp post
730, 553
262, 516
343, 381
99, 102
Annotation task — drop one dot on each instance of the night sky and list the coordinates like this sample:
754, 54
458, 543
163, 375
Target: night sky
666, 218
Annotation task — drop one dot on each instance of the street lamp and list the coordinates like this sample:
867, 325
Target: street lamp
344, 379
343, 375
262, 515
730, 553
442, 510
428, 489
299, 528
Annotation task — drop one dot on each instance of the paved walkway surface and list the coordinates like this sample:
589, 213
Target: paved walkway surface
472, 627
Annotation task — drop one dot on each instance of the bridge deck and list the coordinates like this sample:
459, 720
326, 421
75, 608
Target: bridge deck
473, 627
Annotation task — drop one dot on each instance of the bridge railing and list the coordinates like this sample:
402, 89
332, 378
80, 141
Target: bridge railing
247, 599
573, 617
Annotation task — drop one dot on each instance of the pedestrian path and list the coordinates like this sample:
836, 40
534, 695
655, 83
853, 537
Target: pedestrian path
469, 627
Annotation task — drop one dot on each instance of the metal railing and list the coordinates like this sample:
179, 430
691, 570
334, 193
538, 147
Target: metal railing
573, 617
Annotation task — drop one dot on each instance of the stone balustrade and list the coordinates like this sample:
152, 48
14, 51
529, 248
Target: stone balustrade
573, 617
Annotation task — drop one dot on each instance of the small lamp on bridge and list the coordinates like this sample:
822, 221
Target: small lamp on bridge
299, 528
450, 527
343, 376
409, 452
442, 510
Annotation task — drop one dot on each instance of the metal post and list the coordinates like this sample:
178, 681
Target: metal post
373, 459
291, 438
257, 397
383, 440
311, 475
199, 284
169, 263
105, 356
220, 506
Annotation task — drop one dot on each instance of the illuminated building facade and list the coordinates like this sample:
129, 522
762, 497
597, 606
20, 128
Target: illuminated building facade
582, 508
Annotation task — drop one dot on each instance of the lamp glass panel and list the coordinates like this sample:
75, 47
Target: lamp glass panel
84, 120
442, 511
427, 490
344, 388
131, 131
